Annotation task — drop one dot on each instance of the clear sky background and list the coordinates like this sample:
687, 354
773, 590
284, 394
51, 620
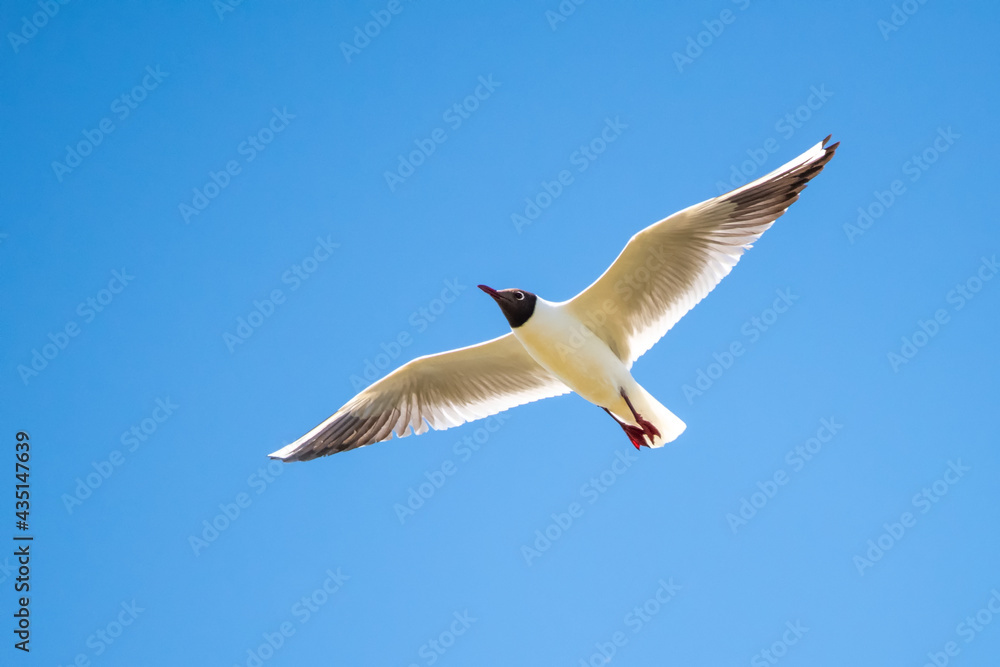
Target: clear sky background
658, 566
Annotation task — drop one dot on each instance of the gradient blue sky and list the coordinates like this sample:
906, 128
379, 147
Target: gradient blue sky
915, 105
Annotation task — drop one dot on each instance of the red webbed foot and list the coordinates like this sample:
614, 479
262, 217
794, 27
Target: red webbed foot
635, 434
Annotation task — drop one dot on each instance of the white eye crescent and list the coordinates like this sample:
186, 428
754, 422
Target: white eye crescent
519, 296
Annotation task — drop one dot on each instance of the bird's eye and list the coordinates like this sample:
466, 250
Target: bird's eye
519, 296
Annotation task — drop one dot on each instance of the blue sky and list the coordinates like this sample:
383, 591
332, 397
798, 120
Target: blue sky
215, 223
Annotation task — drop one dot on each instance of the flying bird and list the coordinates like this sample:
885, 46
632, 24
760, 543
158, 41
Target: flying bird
587, 344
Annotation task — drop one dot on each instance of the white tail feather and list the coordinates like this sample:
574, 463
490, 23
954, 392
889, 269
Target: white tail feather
666, 422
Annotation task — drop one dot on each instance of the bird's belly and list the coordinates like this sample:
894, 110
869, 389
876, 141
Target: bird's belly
579, 358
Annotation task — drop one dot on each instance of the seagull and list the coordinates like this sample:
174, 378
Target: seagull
585, 345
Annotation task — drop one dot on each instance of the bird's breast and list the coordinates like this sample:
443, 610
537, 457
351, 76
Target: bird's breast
568, 349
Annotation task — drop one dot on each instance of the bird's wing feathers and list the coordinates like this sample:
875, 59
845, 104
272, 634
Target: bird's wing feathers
673, 264
438, 391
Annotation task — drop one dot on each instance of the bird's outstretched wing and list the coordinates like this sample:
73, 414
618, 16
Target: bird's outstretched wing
437, 391
673, 264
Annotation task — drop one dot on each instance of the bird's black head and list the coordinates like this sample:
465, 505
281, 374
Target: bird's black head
517, 304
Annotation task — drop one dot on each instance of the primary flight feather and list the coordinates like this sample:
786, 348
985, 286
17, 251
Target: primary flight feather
587, 344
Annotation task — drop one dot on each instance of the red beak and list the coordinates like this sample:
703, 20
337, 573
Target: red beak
489, 290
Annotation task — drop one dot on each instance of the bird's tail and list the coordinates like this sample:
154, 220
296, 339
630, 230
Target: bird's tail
666, 422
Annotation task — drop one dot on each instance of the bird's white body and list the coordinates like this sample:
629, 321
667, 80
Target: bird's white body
587, 344
566, 347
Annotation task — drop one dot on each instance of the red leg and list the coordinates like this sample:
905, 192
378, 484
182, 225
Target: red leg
634, 433
647, 427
